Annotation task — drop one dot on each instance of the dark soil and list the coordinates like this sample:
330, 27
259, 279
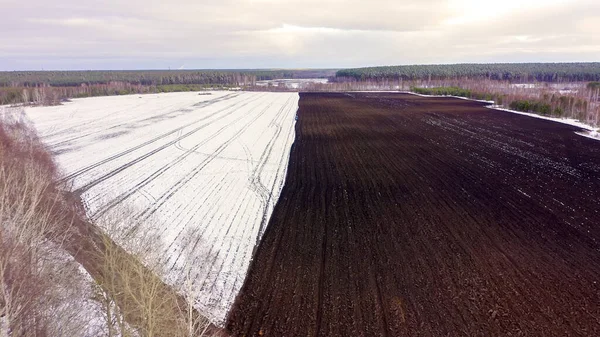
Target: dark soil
412, 216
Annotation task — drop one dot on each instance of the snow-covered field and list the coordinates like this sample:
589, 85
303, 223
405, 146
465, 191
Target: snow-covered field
295, 83
203, 172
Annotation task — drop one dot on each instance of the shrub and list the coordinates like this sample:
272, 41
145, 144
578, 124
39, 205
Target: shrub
593, 85
443, 91
43, 292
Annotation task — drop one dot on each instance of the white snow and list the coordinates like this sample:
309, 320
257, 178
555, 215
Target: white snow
294, 83
459, 97
524, 85
202, 171
593, 134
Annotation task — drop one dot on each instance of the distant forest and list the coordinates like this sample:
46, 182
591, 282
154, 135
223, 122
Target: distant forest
264, 75
514, 72
152, 77
53, 87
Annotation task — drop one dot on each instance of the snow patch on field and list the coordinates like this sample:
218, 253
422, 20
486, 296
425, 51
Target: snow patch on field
204, 171
594, 134
451, 96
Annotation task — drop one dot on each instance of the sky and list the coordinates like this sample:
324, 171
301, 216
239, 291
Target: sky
244, 34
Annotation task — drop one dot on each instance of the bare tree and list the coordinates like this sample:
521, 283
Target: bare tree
132, 290
42, 290
44, 241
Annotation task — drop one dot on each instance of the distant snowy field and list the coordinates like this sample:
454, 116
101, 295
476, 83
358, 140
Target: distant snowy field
202, 171
295, 83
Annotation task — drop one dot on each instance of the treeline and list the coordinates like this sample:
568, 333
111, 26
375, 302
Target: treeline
152, 77
51, 87
141, 77
49, 95
514, 72
267, 75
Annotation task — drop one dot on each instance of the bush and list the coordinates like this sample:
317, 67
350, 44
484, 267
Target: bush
593, 85
558, 112
443, 91
531, 106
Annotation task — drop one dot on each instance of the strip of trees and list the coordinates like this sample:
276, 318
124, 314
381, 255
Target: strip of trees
145, 77
153, 77
51, 87
49, 95
514, 72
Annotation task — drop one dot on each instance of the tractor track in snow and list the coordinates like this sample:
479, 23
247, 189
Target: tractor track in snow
150, 153
202, 177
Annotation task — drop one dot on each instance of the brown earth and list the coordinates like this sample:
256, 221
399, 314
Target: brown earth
412, 216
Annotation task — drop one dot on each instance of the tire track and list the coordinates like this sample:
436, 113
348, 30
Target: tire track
190, 175
265, 194
103, 121
150, 153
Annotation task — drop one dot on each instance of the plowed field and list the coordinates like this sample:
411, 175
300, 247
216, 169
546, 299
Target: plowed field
411, 216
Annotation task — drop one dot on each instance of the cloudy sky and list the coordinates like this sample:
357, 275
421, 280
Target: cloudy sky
192, 34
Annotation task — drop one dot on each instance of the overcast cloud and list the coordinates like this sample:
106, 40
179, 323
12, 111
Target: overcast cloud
136, 34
